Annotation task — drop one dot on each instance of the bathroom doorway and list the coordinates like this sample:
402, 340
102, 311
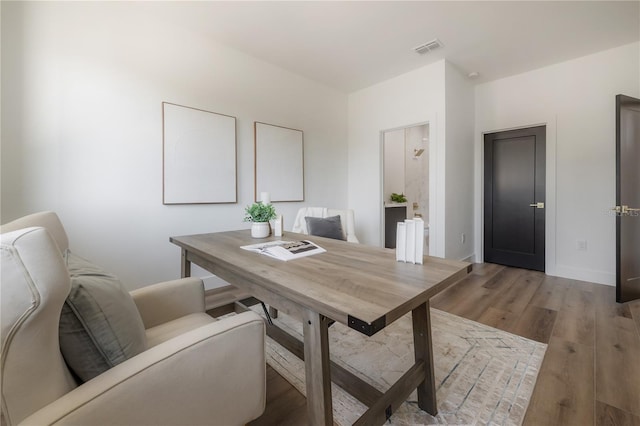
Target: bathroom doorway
405, 172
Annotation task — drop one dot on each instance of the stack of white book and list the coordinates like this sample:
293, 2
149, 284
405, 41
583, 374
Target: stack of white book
410, 240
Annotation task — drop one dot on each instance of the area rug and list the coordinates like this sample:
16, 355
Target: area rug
483, 375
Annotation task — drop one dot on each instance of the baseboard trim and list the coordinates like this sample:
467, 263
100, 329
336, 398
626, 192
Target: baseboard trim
599, 277
471, 258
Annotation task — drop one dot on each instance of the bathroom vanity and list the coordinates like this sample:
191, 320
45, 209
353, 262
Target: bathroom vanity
393, 213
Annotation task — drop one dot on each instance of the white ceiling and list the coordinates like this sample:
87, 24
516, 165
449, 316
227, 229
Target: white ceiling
350, 45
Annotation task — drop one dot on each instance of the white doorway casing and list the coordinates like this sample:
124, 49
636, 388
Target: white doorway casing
436, 204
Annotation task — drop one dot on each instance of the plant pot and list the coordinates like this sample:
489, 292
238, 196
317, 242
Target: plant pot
260, 229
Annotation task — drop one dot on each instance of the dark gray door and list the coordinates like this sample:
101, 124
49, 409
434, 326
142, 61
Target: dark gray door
627, 198
514, 197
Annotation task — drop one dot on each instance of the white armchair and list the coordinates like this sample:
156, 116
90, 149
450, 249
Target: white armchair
346, 218
195, 370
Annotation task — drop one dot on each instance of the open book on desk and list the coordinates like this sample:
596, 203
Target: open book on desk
286, 250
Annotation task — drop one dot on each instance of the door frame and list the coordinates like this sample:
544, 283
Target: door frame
436, 202
521, 138
550, 187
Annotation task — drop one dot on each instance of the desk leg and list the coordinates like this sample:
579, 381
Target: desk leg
423, 351
185, 265
317, 373
273, 312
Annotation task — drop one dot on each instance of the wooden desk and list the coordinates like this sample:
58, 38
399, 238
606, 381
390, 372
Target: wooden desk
360, 286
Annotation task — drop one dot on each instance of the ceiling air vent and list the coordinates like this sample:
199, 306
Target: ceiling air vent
429, 46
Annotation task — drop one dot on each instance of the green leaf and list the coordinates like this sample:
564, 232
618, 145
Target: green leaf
258, 212
398, 198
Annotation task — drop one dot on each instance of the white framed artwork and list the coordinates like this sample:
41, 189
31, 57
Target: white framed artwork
279, 162
199, 156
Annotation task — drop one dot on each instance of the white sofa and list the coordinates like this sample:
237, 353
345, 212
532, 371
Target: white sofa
194, 371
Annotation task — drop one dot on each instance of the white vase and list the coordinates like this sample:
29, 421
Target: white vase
260, 229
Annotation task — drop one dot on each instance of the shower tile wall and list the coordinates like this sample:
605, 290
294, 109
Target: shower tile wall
394, 163
417, 171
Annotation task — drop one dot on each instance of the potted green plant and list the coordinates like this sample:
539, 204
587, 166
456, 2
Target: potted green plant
398, 198
259, 214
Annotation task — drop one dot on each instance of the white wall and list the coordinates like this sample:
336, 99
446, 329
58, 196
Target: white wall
459, 159
576, 100
82, 86
437, 94
394, 163
412, 98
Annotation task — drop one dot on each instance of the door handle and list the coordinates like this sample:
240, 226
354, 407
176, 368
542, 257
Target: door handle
624, 210
537, 205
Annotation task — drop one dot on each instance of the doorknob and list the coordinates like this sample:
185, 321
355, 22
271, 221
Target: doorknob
537, 205
626, 210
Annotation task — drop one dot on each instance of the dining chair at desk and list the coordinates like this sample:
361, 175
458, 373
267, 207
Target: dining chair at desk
346, 219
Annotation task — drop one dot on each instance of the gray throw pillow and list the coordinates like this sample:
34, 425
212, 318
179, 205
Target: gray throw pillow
330, 227
100, 325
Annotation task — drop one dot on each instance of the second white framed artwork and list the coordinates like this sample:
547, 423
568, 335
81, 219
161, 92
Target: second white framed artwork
279, 162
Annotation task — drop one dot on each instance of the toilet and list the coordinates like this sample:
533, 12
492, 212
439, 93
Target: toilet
426, 238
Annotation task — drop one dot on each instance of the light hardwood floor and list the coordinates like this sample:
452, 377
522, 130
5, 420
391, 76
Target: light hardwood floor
591, 371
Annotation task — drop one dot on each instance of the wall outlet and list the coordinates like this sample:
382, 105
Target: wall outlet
463, 238
582, 245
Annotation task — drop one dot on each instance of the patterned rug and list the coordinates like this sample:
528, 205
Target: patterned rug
483, 375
